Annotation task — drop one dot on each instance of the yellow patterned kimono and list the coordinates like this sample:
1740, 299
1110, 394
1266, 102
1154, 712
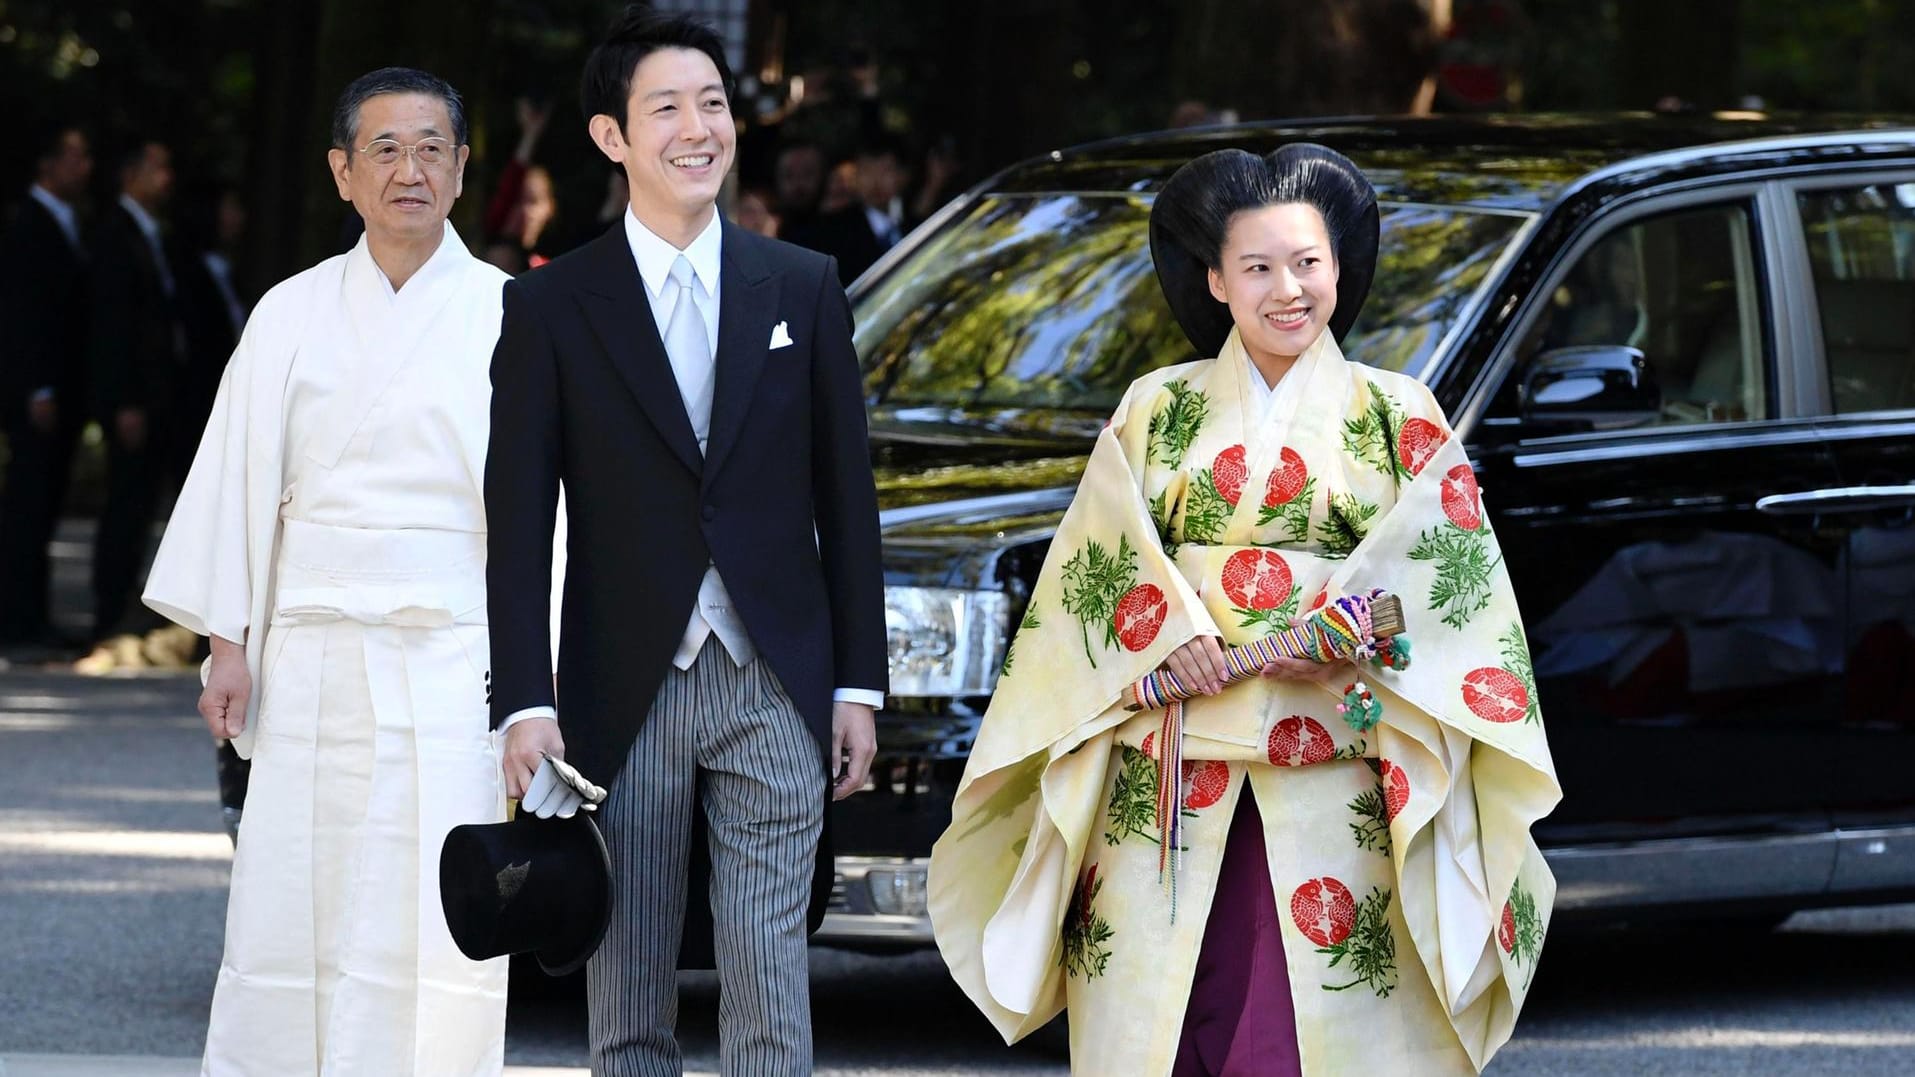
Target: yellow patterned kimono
1412, 898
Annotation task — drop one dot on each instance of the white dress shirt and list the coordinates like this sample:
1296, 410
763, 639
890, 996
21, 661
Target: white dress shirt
63, 215
883, 226
221, 271
713, 614
150, 228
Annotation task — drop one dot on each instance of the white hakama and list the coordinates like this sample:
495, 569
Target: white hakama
356, 449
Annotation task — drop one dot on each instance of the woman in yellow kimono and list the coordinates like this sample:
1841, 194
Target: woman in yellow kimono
1342, 879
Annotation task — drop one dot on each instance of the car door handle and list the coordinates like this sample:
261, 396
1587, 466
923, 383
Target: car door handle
1837, 499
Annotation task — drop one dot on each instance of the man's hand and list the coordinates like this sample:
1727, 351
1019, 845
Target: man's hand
527, 744
1199, 665
854, 742
228, 689
43, 411
129, 425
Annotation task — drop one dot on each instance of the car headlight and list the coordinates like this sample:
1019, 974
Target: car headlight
898, 891
944, 641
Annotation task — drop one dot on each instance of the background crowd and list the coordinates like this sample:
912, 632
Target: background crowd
119, 291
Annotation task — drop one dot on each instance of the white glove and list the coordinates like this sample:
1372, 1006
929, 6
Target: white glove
559, 789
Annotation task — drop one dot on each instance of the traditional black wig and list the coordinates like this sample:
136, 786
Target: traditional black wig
1192, 215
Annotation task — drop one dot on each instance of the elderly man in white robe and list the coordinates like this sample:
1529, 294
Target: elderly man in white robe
331, 540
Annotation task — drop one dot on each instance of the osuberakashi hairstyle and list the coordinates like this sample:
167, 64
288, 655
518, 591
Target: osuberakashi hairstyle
1192, 215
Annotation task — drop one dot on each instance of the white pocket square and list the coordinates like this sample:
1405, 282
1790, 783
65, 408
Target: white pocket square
780, 337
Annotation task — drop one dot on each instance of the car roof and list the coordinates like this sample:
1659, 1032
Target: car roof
1492, 161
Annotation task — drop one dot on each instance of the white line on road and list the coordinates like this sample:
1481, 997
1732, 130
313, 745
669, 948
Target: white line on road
146, 844
1722, 1038
129, 1066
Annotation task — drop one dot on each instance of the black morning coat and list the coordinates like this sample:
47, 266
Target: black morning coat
42, 314
582, 392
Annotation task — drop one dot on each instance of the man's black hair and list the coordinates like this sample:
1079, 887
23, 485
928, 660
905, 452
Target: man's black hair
345, 113
636, 34
130, 153
48, 139
883, 146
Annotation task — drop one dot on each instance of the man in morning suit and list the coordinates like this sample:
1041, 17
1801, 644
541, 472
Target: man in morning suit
42, 373
138, 355
722, 649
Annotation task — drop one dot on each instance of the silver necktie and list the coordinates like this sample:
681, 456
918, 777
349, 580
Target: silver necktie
689, 349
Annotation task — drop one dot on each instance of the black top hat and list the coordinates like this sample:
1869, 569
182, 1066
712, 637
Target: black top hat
530, 884
1192, 214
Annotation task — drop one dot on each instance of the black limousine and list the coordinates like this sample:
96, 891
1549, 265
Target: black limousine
1682, 354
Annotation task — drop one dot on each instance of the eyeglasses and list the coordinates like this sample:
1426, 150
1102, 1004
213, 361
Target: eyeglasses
430, 152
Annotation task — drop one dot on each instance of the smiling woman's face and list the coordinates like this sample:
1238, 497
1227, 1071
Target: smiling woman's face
408, 200
1279, 278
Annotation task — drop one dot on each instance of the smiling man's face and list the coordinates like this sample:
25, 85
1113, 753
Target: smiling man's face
406, 201
678, 136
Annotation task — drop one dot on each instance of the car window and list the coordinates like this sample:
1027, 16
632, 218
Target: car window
1680, 288
1861, 243
1049, 301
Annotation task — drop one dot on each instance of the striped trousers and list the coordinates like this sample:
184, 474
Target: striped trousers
762, 792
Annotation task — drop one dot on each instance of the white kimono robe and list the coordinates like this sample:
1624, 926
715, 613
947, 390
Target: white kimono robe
333, 521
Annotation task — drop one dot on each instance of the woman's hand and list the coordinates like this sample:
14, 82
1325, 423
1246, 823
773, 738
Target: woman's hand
1199, 665
1304, 669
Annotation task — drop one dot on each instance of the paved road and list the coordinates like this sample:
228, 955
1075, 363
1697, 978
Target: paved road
113, 873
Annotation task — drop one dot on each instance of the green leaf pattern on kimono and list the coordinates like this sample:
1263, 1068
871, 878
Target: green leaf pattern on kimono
1133, 798
1095, 580
1355, 935
1086, 934
1175, 425
1372, 436
1346, 525
1161, 512
1521, 932
1295, 514
1206, 510
1029, 623
1516, 659
1371, 827
1464, 563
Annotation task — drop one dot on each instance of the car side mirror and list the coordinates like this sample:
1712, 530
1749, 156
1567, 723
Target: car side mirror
1595, 387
